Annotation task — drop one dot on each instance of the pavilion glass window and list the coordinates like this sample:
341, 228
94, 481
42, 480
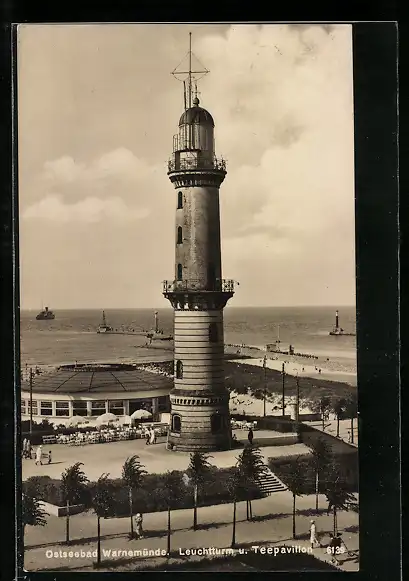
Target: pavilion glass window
98, 408
46, 408
79, 408
163, 403
116, 406
35, 408
24, 406
62, 408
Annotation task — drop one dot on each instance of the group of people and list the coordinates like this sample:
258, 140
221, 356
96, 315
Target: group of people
39, 454
335, 547
150, 436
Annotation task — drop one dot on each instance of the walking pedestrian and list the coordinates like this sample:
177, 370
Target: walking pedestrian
25, 448
152, 436
349, 437
29, 449
313, 535
39, 452
250, 436
49, 457
138, 525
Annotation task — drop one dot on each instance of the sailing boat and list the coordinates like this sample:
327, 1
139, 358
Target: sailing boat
103, 327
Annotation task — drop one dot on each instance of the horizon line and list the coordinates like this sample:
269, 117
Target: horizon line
334, 306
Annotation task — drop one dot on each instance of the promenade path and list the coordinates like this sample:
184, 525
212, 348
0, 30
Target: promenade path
331, 428
98, 458
272, 525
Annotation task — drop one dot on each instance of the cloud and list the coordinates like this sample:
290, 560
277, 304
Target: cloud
54, 209
281, 97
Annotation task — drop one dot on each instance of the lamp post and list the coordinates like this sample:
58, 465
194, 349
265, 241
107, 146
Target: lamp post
283, 395
265, 385
297, 401
31, 403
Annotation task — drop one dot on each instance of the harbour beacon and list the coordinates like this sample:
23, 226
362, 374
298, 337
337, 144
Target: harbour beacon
198, 294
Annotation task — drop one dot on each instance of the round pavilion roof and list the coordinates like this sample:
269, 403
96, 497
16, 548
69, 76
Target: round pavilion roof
94, 378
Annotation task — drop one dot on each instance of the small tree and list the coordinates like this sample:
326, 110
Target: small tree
295, 483
351, 411
337, 493
32, 512
322, 458
199, 470
73, 483
132, 475
251, 469
339, 407
322, 406
233, 485
102, 503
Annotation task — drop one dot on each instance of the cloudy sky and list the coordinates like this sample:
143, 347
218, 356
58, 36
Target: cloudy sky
98, 108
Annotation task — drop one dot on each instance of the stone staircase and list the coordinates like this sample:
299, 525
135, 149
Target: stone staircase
269, 483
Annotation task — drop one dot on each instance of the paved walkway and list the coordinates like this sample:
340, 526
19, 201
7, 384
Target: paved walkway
344, 428
156, 459
272, 525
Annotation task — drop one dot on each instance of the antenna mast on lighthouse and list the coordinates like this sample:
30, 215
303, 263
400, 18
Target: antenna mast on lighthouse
188, 82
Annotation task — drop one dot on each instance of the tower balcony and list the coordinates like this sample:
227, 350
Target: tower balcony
197, 162
195, 294
221, 285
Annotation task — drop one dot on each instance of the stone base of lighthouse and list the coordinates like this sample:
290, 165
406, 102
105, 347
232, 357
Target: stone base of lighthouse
200, 418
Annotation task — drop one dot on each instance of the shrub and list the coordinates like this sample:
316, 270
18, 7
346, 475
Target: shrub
147, 498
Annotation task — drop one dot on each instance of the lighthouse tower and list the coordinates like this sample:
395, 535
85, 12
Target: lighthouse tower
199, 400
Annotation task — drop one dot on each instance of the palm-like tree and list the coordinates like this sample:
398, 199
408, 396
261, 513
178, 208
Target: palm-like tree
73, 483
295, 483
132, 475
324, 405
251, 469
337, 493
338, 407
32, 512
198, 470
102, 503
322, 458
351, 411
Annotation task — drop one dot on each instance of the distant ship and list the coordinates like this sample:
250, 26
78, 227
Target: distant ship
45, 315
103, 327
157, 334
339, 331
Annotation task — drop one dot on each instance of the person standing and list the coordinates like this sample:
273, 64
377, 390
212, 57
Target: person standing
28, 449
138, 525
313, 535
250, 436
25, 448
39, 452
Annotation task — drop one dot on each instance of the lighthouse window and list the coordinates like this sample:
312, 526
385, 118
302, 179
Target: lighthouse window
179, 276
176, 423
179, 369
180, 235
180, 200
216, 423
213, 333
